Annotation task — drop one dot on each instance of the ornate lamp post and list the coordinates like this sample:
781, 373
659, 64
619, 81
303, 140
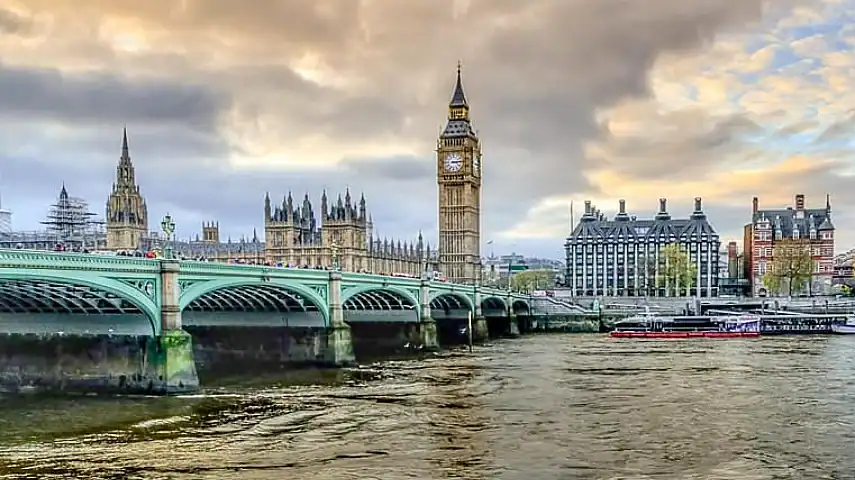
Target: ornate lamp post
167, 225
510, 270
335, 263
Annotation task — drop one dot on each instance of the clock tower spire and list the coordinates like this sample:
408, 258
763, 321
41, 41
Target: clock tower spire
459, 181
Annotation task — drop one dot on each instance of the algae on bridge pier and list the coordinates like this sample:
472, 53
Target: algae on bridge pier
171, 361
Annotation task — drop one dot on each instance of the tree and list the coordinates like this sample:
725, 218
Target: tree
531, 280
791, 268
501, 283
676, 269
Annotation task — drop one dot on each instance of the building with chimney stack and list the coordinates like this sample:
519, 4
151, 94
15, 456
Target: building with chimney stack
622, 256
798, 223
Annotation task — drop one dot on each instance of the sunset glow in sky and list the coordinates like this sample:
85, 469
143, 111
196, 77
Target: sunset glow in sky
573, 100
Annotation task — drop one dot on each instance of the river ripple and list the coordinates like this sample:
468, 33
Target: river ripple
540, 407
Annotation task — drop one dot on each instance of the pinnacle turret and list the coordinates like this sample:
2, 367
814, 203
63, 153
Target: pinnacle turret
458, 98
127, 214
125, 149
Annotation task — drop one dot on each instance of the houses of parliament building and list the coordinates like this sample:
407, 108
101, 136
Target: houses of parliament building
340, 234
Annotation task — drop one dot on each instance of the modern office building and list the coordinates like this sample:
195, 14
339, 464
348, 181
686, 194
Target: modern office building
623, 256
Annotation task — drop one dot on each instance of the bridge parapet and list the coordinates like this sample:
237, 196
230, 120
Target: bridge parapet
14, 258
196, 268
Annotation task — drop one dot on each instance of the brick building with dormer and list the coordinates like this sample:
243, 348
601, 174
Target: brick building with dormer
798, 223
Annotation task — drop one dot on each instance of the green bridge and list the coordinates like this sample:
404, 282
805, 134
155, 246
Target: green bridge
93, 322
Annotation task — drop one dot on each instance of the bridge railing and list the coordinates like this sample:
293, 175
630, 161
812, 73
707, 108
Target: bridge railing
18, 258
194, 266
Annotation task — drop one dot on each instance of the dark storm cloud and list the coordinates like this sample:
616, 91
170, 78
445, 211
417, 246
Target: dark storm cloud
103, 97
393, 169
12, 23
704, 142
536, 73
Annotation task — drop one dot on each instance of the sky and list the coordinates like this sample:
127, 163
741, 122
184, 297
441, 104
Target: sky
573, 100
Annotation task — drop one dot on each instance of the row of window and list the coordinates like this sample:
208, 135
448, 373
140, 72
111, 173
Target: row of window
611, 258
814, 251
812, 235
620, 283
611, 247
642, 292
630, 270
762, 267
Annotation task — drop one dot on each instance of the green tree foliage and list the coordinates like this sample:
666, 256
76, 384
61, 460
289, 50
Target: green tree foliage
791, 267
677, 272
531, 280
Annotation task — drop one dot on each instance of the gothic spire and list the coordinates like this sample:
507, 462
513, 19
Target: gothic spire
125, 149
458, 99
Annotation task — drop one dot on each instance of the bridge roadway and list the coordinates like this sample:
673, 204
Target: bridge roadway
184, 313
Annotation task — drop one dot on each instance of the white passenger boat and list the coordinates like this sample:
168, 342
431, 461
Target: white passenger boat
846, 328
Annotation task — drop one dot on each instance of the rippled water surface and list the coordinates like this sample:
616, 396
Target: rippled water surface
540, 407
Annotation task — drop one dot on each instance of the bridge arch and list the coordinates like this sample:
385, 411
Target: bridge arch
253, 295
58, 292
494, 303
520, 307
450, 301
378, 298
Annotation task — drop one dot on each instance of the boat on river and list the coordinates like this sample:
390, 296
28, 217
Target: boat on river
651, 325
845, 328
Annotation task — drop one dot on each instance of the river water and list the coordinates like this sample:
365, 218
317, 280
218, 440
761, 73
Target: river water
538, 407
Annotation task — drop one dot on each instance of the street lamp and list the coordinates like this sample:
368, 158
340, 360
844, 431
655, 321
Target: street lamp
510, 269
424, 260
167, 225
335, 264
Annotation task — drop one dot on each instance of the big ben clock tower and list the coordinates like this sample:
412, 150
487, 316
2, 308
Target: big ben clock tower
459, 179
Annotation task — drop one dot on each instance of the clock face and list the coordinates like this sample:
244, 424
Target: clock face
453, 162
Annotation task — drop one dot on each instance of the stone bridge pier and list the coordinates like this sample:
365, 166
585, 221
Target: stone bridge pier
389, 320
505, 315
173, 349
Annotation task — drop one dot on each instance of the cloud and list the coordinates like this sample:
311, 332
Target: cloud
760, 112
101, 97
226, 101
13, 23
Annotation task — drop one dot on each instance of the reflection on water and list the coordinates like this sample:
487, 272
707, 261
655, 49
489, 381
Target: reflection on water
545, 407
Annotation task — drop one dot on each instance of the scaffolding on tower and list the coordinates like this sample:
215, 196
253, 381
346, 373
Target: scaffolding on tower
71, 223
5, 221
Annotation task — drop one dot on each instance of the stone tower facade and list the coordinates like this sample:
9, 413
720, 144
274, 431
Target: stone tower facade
341, 235
211, 232
459, 179
127, 215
